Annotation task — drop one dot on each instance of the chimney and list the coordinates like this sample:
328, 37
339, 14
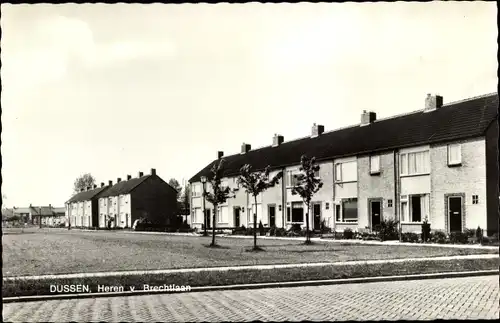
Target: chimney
317, 130
118, 180
433, 102
129, 177
153, 171
277, 140
245, 148
140, 174
220, 154
368, 117
95, 186
110, 183
102, 184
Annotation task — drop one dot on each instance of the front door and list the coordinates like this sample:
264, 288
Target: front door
375, 211
236, 212
455, 213
272, 215
207, 216
316, 216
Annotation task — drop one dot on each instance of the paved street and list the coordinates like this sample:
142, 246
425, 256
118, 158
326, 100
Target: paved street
453, 298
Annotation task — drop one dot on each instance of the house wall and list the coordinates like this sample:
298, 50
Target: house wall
492, 178
376, 186
468, 179
155, 200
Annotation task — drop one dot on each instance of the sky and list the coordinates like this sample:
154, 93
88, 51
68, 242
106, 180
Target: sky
116, 89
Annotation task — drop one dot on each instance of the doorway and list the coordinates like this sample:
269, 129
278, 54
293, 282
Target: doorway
271, 211
375, 212
236, 212
316, 216
455, 213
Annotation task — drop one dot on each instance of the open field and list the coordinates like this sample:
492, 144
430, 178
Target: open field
59, 251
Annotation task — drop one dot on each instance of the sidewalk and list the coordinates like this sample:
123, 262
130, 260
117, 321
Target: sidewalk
238, 268
350, 241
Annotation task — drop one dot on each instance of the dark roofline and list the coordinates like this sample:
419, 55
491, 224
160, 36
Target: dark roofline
429, 140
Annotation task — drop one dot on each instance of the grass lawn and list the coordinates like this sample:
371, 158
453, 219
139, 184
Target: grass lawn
58, 251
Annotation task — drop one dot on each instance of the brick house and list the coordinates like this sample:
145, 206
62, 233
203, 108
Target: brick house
82, 209
439, 163
147, 196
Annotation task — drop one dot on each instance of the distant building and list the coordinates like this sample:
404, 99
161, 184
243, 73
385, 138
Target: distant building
82, 208
146, 196
50, 216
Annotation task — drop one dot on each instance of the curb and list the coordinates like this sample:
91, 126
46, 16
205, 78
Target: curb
259, 286
369, 242
248, 267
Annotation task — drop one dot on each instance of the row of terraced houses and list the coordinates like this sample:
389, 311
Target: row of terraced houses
438, 164
119, 205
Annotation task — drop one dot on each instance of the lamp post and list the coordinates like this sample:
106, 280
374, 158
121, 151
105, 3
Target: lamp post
204, 181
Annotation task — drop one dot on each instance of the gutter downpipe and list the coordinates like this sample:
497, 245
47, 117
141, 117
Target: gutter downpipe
396, 202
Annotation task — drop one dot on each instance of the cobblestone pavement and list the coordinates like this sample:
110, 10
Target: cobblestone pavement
451, 298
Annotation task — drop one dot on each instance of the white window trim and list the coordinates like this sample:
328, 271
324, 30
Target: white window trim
342, 180
454, 162
408, 163
377, 171
425, 212
289, 177
342, 213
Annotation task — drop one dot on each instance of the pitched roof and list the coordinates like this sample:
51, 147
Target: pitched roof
87, 195
124, 187
59, 210
36, 210
453, 121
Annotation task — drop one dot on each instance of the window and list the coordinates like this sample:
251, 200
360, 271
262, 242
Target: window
415, 163
454, 154
297, 212
414, 208
374, 164
389, 203
288, 214
224, 183
346, 172
198, 215
291, 178
316, 174
223, 215
196, 190
347, 210
475, 199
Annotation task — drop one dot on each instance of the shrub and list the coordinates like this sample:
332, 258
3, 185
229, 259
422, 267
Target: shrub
459, 237
261, 229
479, 235
409, 237
272, 231
470, 233
426, 231
280, 232
348, 234
295, 227
388, 230
438, 237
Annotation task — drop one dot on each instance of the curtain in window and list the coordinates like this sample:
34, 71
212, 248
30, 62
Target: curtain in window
350, 210
404, 164
338, 172
454, 153
404, 211
349, 171
412, 163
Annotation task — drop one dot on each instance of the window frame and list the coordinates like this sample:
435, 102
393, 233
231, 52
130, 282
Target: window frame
404, 167
291, 177
475, 199
377, 171
339, 168
407, 218
457, 162
340, 206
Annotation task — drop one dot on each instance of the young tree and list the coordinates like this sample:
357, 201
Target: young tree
219, 194
83, 181
306, 185
255, 183
185, 199
175, 184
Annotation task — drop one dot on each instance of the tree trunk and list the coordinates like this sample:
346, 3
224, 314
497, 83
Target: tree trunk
308, 237
213, 225
255, 225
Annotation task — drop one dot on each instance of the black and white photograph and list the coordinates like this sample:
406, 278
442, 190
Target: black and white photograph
250, 162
